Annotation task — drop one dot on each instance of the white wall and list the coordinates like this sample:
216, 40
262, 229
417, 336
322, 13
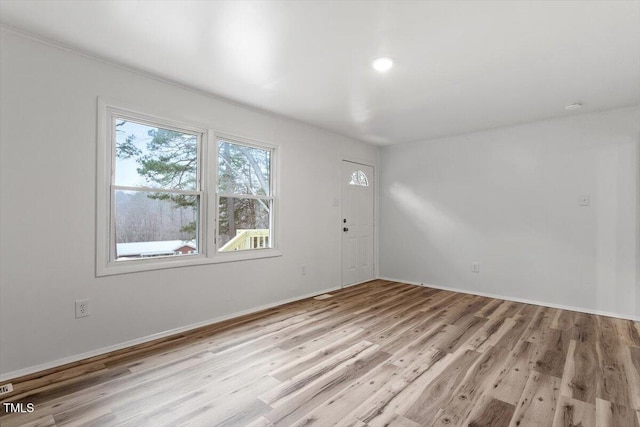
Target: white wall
508, 198
47, 216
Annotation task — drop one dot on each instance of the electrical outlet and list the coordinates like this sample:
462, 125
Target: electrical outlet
475, 267
304, 269
6, 388
82, 308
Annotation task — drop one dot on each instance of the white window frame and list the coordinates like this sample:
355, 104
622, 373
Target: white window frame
272, 188
207, 229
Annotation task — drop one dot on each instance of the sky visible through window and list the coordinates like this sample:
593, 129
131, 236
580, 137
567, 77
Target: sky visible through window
138, 136
126, 169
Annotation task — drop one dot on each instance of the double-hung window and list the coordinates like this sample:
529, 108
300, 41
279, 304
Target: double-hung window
245, 196
173, 194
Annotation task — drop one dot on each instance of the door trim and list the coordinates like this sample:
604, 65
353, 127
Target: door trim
372, 165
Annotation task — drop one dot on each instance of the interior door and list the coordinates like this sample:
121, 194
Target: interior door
357, 223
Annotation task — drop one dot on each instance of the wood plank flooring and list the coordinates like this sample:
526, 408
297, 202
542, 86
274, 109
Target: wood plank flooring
377, 354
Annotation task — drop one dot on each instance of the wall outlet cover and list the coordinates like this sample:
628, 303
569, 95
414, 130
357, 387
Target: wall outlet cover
82, 308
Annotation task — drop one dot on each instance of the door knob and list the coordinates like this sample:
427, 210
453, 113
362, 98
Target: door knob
345, 229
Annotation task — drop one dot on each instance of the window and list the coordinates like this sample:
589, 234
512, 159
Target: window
156, 190
359, 178
245, 199
171, 196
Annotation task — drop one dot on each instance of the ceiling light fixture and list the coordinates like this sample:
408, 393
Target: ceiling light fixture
382, 64
573, 106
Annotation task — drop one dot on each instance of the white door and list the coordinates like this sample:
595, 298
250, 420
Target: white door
357, 223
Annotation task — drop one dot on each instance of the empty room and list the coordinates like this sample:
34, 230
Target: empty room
320, 213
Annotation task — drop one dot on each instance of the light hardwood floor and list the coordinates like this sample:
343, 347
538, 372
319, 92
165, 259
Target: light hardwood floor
377, 354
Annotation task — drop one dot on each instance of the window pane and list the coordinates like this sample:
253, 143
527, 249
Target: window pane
243, 169
359, 178
152, 224
243, 224
148, 156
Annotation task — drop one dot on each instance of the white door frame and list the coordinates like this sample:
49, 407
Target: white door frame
638, 228
371, 164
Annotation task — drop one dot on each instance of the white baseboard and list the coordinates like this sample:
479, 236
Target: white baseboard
357, 283
77, 357
522, 300
120, 346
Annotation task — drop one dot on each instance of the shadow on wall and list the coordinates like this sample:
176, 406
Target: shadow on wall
427, 216
434, 224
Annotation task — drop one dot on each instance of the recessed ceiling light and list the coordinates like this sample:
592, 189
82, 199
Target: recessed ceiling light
573, 106
382, 64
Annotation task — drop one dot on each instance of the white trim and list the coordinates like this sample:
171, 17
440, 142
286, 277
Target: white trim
106, 263
376, 215
161, 263
515, 125
638, 226
357, 283
103, 181
157, 190
74, 50
522, 300
374, 189
207, 225
103, 350
83, 53
274, 187
244, 140
209, 176
356, 160
376, 207
244, 196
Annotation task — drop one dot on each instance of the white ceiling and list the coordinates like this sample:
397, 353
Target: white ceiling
460, 65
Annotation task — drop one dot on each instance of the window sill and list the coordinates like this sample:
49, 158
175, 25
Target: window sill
134, 266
